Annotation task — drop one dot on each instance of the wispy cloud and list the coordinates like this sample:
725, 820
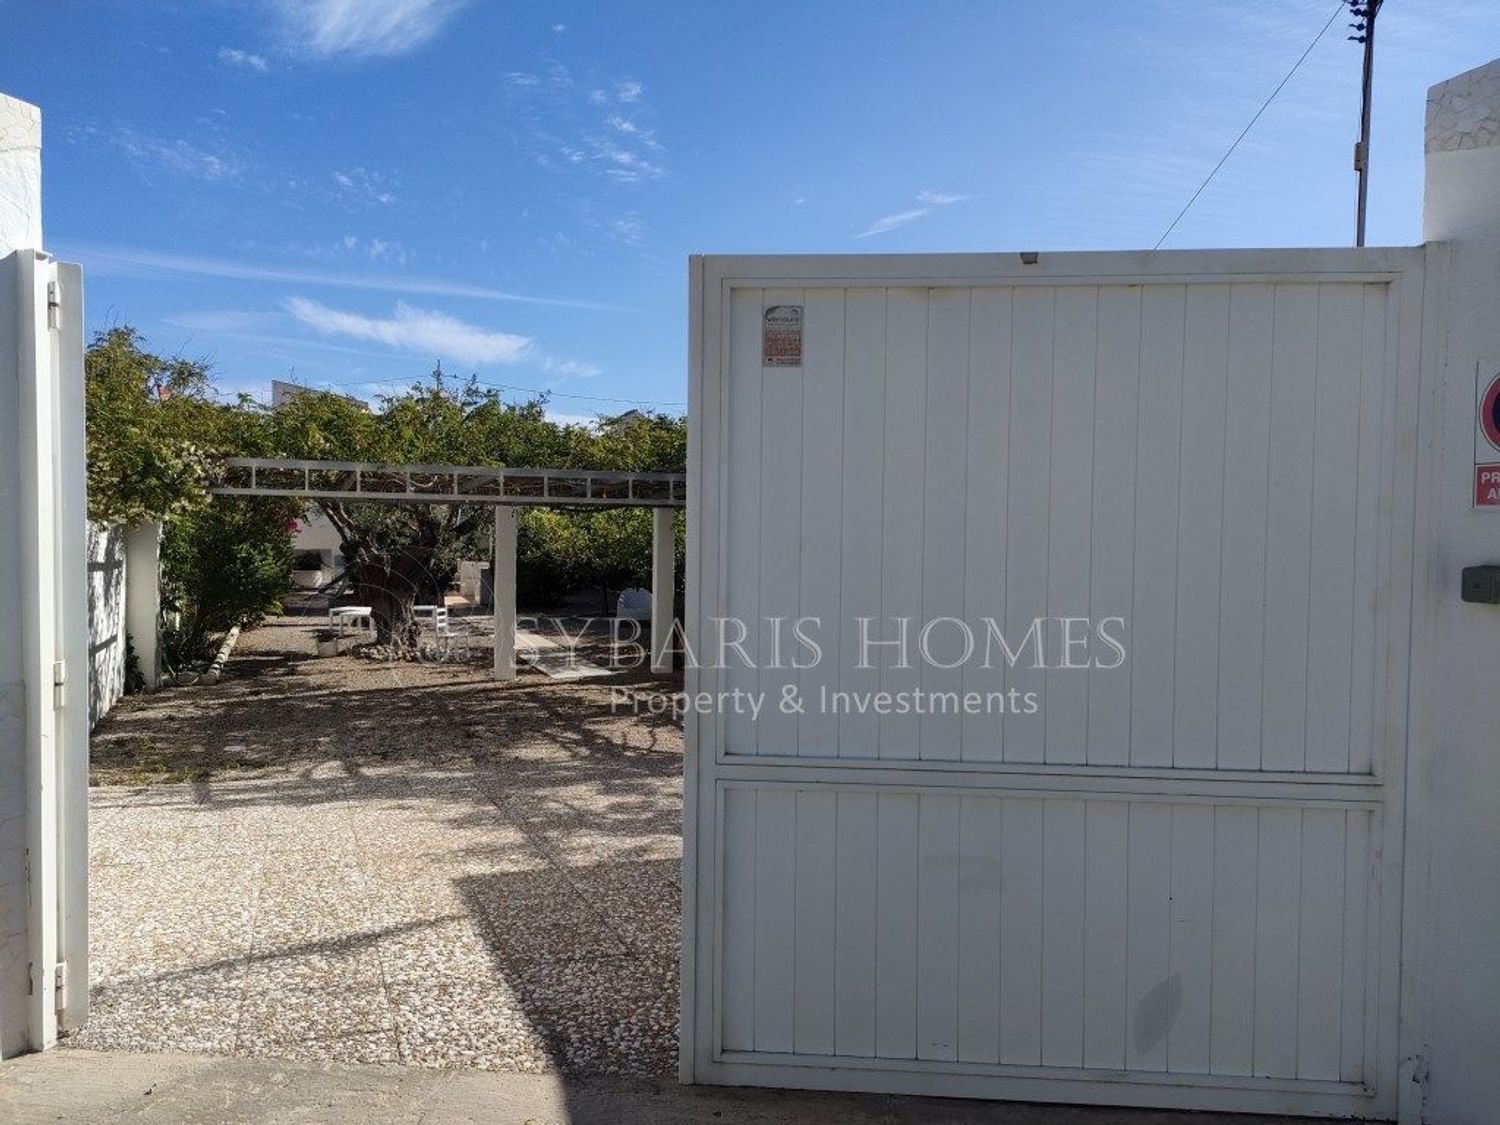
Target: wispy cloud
628, 229
233, 56
149, 264
179, 157
891, 222
224, 321
571, 368
603, 132
363, 27
931, 201
941, 198
360, 183
413, 329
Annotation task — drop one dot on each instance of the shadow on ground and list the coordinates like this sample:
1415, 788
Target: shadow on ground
387, 865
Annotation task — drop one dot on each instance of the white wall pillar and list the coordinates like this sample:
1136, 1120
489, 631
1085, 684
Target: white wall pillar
505, 592
1451, 951
20, 229
663, 585
143, 598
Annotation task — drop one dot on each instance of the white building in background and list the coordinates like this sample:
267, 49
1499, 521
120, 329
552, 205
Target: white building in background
282, 391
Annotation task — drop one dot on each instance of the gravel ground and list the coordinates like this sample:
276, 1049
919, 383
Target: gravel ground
336, 859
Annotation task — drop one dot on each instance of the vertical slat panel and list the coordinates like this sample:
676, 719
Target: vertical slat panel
863, 504
1070, 520
1105, 1022
979, 849
943, 509
775, 916
1236, 845
1200, 497
896, 927
1192, 938
937, 929
1320, 944
1356, 937
738, 974
855, 914
1154, 614
1112, 543
741, 559
780, 544
1021, 931
1289, 528
1064, 914
822, 522
1242, 586
1277, 903
813, 1001
1369, 537
1029, 509
1150, 997
902, 548
1335, 463
987, 448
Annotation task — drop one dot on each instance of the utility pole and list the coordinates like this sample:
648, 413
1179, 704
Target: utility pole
1364, 12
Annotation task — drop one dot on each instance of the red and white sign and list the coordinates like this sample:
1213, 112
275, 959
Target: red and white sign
1487, 439
1487, 486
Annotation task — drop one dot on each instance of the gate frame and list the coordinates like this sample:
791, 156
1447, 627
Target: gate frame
1413, 364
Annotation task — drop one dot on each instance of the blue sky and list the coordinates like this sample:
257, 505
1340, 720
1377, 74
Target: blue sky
345, 191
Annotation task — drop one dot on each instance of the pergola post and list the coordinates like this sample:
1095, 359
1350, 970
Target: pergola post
505, 592
143, 598
663, 585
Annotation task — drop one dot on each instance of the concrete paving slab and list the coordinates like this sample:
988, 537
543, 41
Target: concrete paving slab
88, 1088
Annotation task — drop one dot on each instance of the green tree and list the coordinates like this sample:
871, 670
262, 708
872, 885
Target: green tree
223, 564
396, 554
153, 426
147, 418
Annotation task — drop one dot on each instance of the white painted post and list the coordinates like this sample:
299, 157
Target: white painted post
663, 584
73, 647
25, 913
1451, 950
505, 592
143, 598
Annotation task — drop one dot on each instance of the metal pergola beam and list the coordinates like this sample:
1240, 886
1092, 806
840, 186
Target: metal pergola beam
375, 483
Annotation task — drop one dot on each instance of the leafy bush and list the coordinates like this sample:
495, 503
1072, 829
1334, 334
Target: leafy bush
225, 564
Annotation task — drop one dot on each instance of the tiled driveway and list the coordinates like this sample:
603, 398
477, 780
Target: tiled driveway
512, 904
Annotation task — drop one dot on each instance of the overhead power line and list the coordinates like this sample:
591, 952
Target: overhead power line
1296, 66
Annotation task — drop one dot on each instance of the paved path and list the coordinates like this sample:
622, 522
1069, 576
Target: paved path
84, 1088
431, 869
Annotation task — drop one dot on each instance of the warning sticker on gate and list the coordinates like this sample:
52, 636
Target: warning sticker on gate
1487, 486
781, 336
1487, 438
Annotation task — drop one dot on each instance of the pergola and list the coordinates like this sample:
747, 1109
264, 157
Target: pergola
507, 489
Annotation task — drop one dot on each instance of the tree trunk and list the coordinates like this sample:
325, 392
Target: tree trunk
390, 584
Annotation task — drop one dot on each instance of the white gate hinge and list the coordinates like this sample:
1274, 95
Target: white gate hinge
60, 984
59, 683
54, 306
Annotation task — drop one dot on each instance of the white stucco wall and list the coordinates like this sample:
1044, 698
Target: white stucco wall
1455, 949
20, 228
106, 569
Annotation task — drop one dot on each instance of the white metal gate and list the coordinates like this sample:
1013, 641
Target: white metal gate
1175, 882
